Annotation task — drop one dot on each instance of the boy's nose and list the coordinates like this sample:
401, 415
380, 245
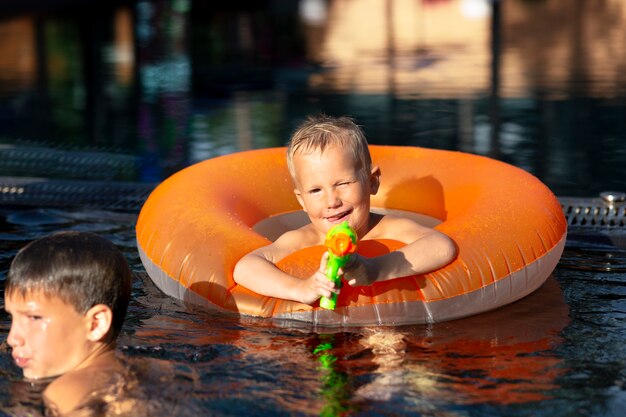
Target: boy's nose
14, 339
332, 200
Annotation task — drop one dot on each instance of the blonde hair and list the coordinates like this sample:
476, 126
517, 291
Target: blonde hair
320, 132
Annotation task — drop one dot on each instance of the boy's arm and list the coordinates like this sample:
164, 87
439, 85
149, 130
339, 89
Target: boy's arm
426, 250
257, 272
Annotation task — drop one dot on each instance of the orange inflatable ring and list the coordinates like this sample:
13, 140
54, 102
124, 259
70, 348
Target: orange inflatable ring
509, 228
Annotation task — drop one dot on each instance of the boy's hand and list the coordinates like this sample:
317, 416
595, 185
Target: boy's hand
360, 271
317, 285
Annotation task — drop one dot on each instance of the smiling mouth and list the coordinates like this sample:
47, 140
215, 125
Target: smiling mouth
339, 216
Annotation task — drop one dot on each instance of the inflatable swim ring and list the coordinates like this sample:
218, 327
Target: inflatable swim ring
509, 228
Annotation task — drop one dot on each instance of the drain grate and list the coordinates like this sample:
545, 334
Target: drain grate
607, 211
33, 161
596, 236
40, 192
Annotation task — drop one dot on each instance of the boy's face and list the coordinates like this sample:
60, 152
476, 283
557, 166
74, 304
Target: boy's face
48, 337
331, 189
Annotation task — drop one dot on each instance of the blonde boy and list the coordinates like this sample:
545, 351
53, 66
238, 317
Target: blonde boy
333, 176
67, 295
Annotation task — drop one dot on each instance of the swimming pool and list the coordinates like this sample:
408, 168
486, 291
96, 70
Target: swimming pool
558, 352
97, 149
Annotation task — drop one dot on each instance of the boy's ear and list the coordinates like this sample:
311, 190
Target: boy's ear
299, 197
374, 179
99, 320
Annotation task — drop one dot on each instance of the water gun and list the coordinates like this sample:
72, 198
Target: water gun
341, 244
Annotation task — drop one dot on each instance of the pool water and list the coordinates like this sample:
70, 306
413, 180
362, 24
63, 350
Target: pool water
559, 351
94, 100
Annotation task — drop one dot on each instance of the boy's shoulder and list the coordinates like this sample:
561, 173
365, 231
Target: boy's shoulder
402, 228
71, 389
389, 222
289, 242
299, 238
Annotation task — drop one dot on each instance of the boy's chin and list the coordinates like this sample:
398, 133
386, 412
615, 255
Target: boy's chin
40, 375
38, 378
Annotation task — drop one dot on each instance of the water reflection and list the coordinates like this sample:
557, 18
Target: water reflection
164, 78
335, 383
501, 357
24, 398
178, 82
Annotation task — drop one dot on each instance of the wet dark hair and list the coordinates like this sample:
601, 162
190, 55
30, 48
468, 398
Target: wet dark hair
80, 268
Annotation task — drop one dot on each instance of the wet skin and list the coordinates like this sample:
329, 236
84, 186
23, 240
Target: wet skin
48, 337
331, 189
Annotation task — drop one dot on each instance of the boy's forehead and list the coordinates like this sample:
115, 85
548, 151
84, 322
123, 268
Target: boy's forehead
32, 296
310, 169
318, 155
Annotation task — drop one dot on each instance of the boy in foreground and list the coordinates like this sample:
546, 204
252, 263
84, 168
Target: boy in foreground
67, 295
333, 176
